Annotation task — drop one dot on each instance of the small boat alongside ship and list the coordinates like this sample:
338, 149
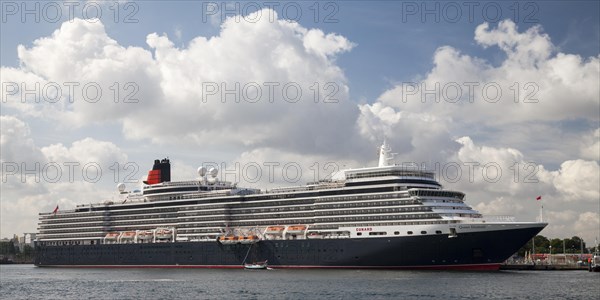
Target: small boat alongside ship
257, 265
383, 217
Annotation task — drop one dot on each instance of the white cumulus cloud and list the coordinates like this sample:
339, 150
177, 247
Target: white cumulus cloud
36, 179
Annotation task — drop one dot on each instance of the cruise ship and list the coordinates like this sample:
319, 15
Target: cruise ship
384, 217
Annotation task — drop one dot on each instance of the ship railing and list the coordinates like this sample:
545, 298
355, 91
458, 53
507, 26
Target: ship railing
499, 218
60, 212
172, 183
323, 186
398, 170
287, 189
491, 219
186, 183
206, 194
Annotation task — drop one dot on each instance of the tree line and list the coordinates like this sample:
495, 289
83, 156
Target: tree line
8, 249
572, 245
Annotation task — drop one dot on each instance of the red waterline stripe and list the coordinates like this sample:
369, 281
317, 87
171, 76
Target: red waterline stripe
469, 267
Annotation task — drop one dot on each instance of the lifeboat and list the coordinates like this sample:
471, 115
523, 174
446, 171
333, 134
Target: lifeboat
251, 239
314, 235
274, 229
128, 235
145, 235
228, 240
163, 233
111, 236
296, 229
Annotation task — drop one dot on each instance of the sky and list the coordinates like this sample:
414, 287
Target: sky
501, 99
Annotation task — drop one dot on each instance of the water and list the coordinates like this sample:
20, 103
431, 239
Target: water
28, 282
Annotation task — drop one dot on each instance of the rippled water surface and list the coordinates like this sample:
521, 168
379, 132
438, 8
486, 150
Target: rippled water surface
29, 282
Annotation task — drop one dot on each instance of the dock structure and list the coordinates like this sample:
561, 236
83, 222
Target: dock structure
542, 262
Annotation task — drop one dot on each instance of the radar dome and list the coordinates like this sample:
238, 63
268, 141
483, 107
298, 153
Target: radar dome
213, 172
121, 187
201, 171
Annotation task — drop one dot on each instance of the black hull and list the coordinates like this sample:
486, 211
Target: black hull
480, 250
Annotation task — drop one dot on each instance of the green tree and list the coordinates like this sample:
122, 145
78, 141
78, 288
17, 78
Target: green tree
541, 245
574, 244
27, 251
557, 245
7, 248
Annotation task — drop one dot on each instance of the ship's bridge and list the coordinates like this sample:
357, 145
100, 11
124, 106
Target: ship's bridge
391, 174
388, 173
433, 193
396, 171
186, 186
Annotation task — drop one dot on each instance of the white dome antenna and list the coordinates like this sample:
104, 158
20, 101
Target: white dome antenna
201, 171
121, 187
213, 172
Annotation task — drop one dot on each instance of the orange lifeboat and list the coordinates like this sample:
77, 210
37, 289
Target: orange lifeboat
296, 229
128, 235
251, 239
275, 230
163, 233
111, 236
145, 235
228, 240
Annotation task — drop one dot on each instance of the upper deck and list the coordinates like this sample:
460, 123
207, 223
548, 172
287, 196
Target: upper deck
208, 185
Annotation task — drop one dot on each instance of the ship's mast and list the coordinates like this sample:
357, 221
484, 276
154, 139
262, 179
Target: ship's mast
386, 156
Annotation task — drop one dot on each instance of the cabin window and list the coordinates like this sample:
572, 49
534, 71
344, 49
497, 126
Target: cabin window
423, 232
396, 232
409, 232
438, 231
359, 233
378, 233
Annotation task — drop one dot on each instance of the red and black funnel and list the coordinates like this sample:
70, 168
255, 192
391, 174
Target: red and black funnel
161, 172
